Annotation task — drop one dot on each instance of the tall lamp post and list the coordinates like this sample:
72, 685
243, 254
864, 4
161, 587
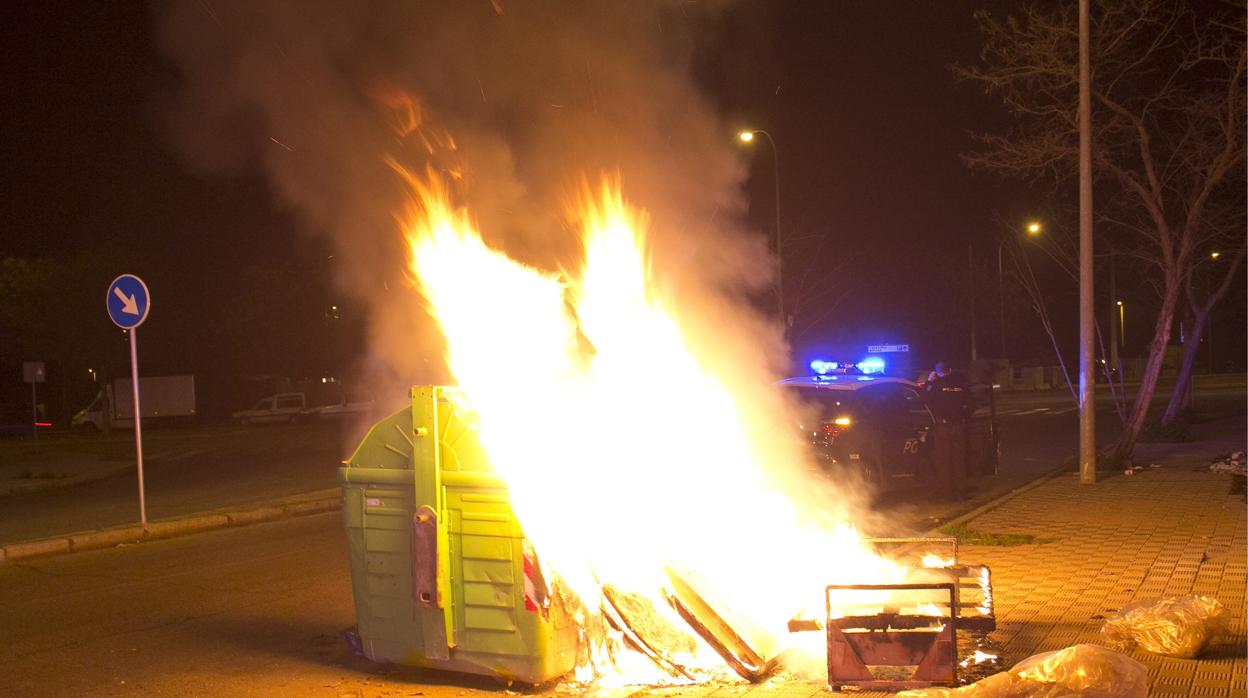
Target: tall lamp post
1033, 229
1087, 299
1213, 256
747, 136
1115, 330
1122, 325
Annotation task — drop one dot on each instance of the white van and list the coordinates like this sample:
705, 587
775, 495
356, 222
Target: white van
283, 407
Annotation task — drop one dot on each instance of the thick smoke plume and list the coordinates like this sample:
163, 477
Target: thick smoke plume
526, 97
517, 104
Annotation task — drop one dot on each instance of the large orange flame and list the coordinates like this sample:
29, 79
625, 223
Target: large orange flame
625, 455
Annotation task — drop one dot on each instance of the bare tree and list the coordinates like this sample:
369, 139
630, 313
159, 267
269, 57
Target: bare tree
1204, 287
1035, 295
1062, 247
817, 283
1168, 92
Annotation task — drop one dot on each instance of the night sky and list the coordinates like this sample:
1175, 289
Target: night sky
858, 95
870, 124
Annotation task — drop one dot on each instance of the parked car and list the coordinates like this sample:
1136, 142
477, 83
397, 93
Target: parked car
283, 407
878, 426
347, 404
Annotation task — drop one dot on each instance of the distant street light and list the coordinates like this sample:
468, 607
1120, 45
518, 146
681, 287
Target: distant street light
1115, 333
1034, 228
1122, 324
1213, 256
747, 136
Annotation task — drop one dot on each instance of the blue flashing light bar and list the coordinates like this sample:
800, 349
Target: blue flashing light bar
823, 368
871, 364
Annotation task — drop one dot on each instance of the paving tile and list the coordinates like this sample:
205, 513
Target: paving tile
1173, 533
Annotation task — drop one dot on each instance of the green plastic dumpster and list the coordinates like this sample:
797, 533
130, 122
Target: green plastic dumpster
440, 569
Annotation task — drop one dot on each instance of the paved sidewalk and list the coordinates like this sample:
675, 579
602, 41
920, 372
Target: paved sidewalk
1165, 531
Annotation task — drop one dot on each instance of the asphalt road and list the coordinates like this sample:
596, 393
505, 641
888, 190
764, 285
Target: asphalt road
1039, 432
1041, 429
252, 611
195, 470
256, 610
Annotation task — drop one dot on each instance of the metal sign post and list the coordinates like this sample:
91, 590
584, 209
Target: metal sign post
128, 302
33, 373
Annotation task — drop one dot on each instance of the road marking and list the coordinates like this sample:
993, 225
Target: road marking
1065, 410
1035, 411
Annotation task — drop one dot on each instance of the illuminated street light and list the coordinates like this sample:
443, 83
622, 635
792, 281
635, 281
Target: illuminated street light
747, 136
1122, 323
1034, 228
1213, 257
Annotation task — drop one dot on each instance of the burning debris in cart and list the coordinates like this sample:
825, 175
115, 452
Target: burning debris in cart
602, 496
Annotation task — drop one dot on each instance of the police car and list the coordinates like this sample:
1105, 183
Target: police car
877, 425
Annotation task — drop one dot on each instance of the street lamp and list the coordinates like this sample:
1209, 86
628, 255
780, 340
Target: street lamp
1122, 324
1213, 257
747, 136
1034, 228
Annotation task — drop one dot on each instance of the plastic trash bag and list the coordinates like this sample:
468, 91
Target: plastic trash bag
1084, 671
1178, 627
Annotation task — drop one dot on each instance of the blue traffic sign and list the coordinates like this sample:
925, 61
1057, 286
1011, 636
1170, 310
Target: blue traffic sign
128, 301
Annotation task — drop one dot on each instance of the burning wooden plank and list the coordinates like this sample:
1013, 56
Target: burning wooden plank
711, 627
646, 631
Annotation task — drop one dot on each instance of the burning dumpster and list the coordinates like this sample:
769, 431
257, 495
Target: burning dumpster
596, 449
442, 574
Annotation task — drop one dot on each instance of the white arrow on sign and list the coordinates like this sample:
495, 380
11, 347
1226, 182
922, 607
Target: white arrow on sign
128, 304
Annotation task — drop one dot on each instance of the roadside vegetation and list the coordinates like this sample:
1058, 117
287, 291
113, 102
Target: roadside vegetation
969, 536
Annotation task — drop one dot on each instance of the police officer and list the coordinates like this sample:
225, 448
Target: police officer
948, 397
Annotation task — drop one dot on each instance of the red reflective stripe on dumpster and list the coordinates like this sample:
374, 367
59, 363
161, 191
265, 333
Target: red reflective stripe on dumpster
532, 592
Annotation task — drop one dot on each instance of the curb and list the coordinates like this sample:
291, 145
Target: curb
1070, 465
1002, 498
999, 500
171, 528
